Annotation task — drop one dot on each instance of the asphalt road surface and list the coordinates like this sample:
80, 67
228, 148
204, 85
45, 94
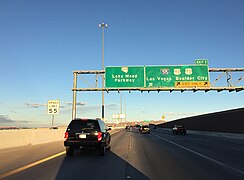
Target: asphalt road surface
159, 155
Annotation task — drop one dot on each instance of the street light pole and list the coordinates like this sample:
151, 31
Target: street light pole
103, 25
121, 106
125, 108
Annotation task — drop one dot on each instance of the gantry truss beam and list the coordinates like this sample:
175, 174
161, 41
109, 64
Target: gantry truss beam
210, 70
218, 89
225, 71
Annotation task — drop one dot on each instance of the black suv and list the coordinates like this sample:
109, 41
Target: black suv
84, 133
179, 129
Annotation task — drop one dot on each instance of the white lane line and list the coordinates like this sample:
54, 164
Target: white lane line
199, 154
30, 165
130, 142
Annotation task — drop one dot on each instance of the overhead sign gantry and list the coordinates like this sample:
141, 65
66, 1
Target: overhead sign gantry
161, 78
231, 86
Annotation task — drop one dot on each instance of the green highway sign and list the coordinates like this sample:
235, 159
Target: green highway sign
157, 76
201, 61
124, 77
147, 120
173, 76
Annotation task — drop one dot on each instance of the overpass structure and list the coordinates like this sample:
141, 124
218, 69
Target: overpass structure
224, 74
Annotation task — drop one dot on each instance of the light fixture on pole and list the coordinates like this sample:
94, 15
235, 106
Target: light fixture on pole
103, 25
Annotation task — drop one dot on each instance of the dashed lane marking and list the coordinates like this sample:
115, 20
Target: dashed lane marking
203, 156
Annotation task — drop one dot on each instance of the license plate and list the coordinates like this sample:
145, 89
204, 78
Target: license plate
82, 136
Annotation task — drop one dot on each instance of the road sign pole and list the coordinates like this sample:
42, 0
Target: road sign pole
120, 107
103, 75
103, 25
125, 108
74, 96
52, 120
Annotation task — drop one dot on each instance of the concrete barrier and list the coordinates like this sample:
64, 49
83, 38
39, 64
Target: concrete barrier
231, 121
24, 137
208, 133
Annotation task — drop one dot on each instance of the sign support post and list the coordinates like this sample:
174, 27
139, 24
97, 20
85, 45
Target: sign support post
74, 96
52, 121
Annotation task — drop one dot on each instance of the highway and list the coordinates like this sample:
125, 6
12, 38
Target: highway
159, 155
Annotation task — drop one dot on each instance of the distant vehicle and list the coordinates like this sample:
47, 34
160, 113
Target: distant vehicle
54, 127
153, 126
86, 133
145, 129
127, 127
111, 127
179, 129
137, 126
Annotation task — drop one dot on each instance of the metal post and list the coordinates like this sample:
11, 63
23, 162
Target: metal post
120, 107
52, 120
103, 75
228, 78
74, 96
103, 25
125, 108
96, 81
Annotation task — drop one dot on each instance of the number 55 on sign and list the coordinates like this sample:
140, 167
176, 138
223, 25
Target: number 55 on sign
53, 107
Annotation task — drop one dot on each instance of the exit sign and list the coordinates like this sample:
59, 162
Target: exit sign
201, 61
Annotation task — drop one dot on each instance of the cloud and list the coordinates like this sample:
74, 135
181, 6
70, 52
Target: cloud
23, 121
97, 107
5, 120
32, 105
112, 105
88, 109
66, 105
77, 103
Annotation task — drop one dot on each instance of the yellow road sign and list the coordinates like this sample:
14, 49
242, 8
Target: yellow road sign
192, 84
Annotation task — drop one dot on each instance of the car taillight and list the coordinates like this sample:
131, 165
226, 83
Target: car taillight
99, 136
66, 135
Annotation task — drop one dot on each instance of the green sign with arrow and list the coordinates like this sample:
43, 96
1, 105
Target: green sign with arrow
173, 76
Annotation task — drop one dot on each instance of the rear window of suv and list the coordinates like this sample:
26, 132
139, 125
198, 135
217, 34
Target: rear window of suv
145, 126
78, 125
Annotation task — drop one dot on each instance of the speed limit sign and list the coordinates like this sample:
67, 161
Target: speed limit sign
53, 106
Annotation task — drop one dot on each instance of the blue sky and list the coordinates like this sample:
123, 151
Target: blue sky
42, 42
